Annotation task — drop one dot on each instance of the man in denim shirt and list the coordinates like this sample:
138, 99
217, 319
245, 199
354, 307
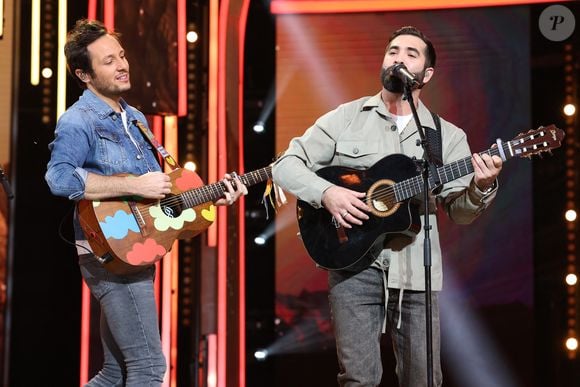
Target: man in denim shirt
389, 295
95, 139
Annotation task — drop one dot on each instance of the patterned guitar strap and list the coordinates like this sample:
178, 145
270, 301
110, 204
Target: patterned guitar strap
153, 141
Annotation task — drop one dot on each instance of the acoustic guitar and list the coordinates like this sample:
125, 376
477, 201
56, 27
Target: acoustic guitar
389, 185
130, 233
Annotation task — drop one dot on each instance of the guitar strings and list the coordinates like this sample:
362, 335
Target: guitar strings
216, 190
388, 193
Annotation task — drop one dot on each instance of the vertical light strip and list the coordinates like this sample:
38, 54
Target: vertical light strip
92, 10
181, 58
222, 219
109, 11
85, 333
570, 93
212, 158
242, 203
85, 294
34, 42
1, 18
166, 304
61, 69
211, 360
174, 312
169, 283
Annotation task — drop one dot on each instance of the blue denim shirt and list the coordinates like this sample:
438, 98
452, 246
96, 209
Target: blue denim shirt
90, 137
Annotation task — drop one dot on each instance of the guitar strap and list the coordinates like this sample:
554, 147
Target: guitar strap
153, 141
433, 137
435, 141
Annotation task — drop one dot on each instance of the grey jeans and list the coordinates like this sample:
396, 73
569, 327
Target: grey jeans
357, 304
129, 326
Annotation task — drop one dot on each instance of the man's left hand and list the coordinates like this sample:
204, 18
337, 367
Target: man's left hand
232, 193
486, 168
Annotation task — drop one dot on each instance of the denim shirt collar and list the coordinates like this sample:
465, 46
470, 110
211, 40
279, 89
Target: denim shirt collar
101, 108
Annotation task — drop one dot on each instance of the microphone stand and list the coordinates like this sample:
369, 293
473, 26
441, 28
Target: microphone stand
426, 166
6, 184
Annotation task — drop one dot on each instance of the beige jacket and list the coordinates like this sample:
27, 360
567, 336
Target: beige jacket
357, 134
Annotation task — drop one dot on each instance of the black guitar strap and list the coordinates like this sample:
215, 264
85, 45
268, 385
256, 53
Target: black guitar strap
435, 141
433, 137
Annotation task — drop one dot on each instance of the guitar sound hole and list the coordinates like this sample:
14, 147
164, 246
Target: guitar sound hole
381, 198
171, 206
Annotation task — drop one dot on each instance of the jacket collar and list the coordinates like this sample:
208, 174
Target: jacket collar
376, 102
100, 107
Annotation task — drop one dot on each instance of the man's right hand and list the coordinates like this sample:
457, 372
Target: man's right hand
152, 185
345, 205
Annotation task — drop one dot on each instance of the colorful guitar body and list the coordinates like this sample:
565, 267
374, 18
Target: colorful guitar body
128, 234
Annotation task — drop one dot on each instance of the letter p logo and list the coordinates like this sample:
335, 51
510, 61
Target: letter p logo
556, 23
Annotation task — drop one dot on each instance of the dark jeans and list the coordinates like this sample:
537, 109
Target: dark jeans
357, 303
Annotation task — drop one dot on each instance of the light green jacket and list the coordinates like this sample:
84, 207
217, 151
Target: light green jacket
357, 134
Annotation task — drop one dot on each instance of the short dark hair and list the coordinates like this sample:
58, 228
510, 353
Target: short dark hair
410, 30
78, 39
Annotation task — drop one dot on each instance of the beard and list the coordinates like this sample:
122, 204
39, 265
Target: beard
393, 83
109, 87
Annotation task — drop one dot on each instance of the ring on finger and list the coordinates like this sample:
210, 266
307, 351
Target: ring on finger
345, 213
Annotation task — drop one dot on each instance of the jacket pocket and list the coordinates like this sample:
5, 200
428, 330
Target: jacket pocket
356, 154
111, 148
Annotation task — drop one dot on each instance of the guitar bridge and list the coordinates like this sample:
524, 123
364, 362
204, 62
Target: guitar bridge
340, 232
139, 218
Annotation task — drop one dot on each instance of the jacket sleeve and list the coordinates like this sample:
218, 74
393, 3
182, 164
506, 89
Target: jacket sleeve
460, 198
68, 151
295, 170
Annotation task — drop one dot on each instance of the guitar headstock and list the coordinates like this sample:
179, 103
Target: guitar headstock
537, 141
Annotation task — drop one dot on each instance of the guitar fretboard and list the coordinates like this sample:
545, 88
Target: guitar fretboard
408, 188
212, 192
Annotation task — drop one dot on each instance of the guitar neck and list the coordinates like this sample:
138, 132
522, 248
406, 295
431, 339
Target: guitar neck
408, 188
212, 192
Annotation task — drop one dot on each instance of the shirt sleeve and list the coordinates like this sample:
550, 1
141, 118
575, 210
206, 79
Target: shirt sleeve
295, 170
68, 152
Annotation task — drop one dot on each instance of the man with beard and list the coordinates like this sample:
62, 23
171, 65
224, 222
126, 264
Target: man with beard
97, 138
389, 294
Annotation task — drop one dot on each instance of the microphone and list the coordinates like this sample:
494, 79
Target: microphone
400, 71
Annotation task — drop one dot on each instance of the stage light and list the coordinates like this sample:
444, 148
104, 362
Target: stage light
571, 215
571, 343
569, 109
46, 72
192, 37
260, 240
571, 279
261, 354
191, 166
259, 127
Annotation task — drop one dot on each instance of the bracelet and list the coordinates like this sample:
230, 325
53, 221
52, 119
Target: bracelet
488, 190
